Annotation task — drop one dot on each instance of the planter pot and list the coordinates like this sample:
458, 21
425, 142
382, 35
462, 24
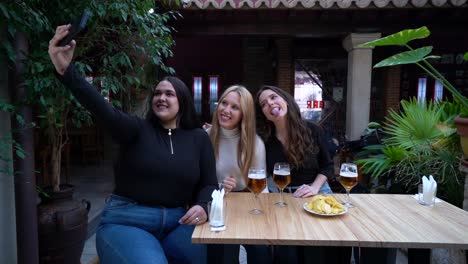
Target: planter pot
63, 226
462, 130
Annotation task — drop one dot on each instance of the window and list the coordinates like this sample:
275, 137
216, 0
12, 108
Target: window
438, 91
308, 95
422, 84
214, 90
197, 88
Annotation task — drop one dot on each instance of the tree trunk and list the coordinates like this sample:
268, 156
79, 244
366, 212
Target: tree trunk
56, 164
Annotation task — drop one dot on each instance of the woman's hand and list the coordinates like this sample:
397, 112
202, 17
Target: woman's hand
194, 216
229, 183
305, 191
308, 190
207, 126
61, 56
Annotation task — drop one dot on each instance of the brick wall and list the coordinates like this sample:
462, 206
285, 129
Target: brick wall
285, 65
391, 95
256, 64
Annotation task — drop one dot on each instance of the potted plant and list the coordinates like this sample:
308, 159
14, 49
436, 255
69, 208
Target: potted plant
421, 57
121, 40
419, 141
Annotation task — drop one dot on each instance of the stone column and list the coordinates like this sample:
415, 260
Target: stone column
359, 83
7, 195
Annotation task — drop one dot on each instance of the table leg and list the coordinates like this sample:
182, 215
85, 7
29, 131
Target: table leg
377, 255
419, 255
223, 254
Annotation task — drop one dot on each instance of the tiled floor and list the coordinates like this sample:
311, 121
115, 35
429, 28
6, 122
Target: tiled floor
93, 183
89, 251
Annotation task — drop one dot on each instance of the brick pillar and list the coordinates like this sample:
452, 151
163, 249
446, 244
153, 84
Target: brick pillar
254, 63
391, 96
285, 65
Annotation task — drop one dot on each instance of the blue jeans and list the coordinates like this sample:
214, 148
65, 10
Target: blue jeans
133, 233
325, 189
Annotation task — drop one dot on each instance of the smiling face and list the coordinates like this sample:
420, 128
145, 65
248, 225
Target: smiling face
229, 111
165, 104
274, 107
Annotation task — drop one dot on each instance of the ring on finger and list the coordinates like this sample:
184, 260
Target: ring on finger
197, 219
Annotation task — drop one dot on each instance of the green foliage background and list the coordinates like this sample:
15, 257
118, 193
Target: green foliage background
124, 44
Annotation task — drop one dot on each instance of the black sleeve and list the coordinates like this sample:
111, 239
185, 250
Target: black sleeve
324, 160
208, 181
121, 126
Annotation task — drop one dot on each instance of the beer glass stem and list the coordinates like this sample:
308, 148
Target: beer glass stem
281, 202
347, 202
256, 210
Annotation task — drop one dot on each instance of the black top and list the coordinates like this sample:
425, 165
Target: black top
146, 170
314, 164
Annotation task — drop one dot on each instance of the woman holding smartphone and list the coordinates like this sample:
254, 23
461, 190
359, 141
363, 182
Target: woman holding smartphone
164, 176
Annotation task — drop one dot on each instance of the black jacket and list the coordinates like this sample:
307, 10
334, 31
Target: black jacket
146, 170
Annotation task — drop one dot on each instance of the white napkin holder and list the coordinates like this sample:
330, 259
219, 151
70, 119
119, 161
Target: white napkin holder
217, 213
429, 191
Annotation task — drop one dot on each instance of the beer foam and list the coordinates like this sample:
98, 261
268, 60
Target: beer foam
281, 172
348, 174
257, 176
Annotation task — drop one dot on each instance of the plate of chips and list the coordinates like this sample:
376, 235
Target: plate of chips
325, 205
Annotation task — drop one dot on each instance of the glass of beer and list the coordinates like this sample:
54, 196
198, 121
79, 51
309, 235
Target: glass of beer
348, 179
256, 182
282, 178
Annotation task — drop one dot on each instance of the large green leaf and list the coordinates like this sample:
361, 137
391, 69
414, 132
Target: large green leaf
465, 56
400, 38
407, 57
415, 127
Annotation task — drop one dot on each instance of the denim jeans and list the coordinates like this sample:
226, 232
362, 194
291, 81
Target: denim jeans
133, 233
325, 189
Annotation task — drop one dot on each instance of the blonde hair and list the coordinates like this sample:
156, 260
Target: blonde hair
246, 146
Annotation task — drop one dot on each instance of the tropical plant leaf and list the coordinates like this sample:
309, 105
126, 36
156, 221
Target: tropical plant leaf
394, 154
374, 125
374, 147
407, 57
375, 165
400, 38
415, 126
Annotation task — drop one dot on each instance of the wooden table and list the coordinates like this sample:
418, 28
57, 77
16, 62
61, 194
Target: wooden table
378, 220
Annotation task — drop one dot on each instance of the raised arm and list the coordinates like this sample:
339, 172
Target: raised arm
122, 127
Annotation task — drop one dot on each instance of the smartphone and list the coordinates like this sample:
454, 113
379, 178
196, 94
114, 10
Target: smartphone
77, 26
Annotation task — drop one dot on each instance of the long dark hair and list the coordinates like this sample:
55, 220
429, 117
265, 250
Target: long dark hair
186, 117
300, 141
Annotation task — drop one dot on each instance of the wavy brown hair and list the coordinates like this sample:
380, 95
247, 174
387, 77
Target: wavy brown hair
246, 147
300, 142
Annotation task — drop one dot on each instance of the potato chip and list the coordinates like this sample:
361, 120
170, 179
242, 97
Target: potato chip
325, 204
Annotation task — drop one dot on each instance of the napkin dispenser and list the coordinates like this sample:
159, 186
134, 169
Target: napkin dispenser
217, 211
